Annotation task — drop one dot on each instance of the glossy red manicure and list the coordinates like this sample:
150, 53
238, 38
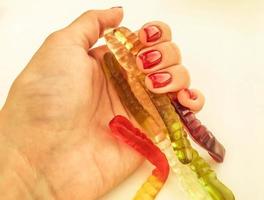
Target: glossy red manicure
150, 58
191, 94
160, 79
153, 33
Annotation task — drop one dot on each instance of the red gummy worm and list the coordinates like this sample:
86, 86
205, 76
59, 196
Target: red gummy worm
123, 129
200, 134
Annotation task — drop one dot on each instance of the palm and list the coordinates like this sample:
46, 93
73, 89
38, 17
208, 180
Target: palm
69, 103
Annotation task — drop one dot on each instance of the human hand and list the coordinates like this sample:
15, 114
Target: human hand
56, 115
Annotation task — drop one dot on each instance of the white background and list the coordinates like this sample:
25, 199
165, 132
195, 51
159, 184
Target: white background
222, 46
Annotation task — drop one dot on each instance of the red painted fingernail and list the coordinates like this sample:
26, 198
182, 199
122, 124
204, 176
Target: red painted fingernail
153, 33
191, 94
160, 79
150, 58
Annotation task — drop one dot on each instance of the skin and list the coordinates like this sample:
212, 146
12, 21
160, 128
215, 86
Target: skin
54, 137
191, 98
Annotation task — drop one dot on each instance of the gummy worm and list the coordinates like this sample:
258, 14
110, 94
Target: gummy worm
177, 134
205, 174
205, 137
209, 142
124, 130
112, 71
187, 177
199, 132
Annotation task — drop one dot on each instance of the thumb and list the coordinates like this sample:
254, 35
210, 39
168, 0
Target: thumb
89, 27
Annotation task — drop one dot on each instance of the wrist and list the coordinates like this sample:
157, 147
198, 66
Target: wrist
15, 176
18, 178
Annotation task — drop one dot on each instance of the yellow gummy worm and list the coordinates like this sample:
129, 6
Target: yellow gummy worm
137, 89
186, 176
123, 129
128, 99
205, 174
177, 134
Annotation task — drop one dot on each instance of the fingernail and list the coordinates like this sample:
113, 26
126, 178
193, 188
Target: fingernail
191, 94
160, 79
153, 33
116, 7
150, 58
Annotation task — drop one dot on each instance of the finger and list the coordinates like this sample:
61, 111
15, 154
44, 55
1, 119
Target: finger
158, 57
89, 27
171, 79
191, 98
154, 32
98, 52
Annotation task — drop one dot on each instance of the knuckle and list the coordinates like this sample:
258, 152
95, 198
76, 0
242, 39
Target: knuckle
174, 48
184, 80
55, 36
171, 51
168, 47
90, 13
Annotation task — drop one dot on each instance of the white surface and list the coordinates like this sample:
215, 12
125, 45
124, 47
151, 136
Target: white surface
222, 46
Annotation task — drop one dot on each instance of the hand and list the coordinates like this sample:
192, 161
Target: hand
54, 124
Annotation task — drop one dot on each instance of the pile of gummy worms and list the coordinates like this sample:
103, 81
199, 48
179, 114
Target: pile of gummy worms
160, 116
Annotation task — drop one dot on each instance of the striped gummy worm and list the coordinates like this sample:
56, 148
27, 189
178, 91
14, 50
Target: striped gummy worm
200, 134
186, 176
209, 180
135, 85
177, 134
113, 71
125, 131
205, 174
